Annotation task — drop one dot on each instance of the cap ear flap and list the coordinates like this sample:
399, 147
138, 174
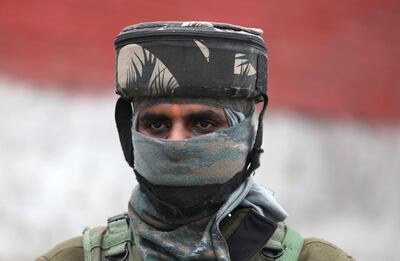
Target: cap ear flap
123, 119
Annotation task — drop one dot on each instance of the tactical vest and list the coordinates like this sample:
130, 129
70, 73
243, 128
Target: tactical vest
116, 242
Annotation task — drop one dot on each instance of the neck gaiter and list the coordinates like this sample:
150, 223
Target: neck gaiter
182, 184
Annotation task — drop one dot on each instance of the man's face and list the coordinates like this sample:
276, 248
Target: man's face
180, 121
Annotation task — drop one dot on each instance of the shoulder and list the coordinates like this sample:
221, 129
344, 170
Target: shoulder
69, 250
94, 240
317, 249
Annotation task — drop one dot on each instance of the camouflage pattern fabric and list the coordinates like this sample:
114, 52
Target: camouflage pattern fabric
157, 239
190, 59
219, 64
212, 158
163, 238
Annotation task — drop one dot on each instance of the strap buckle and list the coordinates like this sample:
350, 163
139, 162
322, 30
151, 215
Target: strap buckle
118, 217
117, 256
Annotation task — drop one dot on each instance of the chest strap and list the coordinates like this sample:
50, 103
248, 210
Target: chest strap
113, 241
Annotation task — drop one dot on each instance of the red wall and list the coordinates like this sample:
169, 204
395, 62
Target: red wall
330, 58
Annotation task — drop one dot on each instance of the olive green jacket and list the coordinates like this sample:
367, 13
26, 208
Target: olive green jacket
312, 250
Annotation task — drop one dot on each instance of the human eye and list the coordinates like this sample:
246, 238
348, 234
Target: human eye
156, 126
204, 126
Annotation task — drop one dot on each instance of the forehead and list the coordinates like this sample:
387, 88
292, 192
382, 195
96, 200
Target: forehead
176, 109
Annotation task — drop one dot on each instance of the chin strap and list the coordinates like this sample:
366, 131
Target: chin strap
253, 159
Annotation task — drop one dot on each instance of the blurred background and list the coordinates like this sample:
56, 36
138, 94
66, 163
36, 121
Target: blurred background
332, 131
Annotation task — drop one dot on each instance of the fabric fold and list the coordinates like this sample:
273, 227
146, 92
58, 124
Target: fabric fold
197, 238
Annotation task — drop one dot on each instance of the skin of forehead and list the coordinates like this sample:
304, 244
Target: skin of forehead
245, 106
180, 110
176, 110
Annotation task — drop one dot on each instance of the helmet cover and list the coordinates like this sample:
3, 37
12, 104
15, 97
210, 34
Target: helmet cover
190, 59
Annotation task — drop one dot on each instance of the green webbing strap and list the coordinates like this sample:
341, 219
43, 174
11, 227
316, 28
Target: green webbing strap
86, 244
276, 240
292, 245
113, 240
119, 235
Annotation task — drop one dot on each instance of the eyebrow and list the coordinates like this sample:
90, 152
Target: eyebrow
153, 116
150, 116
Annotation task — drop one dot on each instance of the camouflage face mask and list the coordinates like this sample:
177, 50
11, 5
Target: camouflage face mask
185, 176
203, 160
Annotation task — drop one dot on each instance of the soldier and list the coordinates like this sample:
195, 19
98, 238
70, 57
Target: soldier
187, 128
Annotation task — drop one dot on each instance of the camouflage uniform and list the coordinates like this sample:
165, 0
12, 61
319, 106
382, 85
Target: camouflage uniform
313, 249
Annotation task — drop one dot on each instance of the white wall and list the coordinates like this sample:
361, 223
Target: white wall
61, 169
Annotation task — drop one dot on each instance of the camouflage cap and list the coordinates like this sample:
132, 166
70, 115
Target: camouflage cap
190, 59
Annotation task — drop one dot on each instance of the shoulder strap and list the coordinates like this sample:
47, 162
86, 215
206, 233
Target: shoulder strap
284, 245
111, 241
292, 245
